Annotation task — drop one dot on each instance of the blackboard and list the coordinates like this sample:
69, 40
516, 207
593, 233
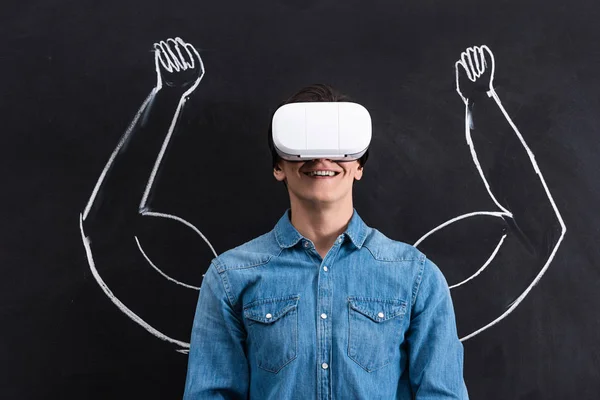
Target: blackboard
76, 74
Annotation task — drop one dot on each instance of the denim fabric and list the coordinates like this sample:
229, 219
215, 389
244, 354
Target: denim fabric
371, 320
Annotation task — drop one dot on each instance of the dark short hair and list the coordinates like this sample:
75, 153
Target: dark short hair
312, 93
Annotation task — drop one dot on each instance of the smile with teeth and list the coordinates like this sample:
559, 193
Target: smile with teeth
321, 173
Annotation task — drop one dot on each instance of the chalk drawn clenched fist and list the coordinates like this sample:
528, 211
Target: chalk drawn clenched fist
475, 73
178, 65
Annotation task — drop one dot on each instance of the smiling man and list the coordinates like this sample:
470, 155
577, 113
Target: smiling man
323, 306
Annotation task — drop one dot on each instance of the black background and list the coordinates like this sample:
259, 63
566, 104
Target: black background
75, 72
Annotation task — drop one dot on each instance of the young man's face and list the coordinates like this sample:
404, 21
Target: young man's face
320, 180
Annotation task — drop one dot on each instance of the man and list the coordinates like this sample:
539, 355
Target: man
324, 306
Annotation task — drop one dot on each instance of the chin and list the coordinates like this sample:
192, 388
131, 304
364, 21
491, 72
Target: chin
324, 198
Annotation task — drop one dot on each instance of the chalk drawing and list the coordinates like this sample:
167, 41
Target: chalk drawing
478, 63
170, 57
175, 56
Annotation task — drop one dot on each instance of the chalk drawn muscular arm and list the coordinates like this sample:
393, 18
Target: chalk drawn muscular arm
515, 184
122, 194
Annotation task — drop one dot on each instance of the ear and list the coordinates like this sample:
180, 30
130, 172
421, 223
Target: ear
278, 173
358, 173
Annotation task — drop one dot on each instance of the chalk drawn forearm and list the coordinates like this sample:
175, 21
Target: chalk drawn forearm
503, 159
136, 159
178, 66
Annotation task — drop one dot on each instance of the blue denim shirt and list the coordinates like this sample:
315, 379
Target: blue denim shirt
371, 320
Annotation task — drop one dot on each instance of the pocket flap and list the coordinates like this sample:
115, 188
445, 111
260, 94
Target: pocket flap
378, 310
267, 311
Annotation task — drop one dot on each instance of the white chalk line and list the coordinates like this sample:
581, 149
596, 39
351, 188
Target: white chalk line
111, 160
468, 215
523, 295
159, 270
174, 62
532, 159
519, 299
474, 72
173, 122
181, 220
168, 66
115, 300
480, 270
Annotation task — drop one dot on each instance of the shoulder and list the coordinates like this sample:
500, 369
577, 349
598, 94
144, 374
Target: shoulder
253, 253
383, 248
403, 255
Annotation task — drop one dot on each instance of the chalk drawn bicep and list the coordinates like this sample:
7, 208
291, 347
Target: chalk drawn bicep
169, 244
475, 236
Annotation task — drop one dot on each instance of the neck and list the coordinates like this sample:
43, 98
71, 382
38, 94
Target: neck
321, 223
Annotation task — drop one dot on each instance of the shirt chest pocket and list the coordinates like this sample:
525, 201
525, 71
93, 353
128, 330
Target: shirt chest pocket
375, 331
273, 331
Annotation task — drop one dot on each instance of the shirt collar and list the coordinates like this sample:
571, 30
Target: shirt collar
287, 236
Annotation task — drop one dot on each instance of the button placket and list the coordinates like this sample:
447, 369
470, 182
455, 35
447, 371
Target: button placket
324, 329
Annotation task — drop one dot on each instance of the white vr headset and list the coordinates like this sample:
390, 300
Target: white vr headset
331, 130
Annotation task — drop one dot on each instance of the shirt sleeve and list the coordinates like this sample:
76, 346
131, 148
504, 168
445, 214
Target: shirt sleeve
434, 350
217, 364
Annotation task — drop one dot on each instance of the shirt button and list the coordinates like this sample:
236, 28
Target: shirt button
340, 240
380, 315
324, 316
306, 244
325, 269
269, 316
324, 366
